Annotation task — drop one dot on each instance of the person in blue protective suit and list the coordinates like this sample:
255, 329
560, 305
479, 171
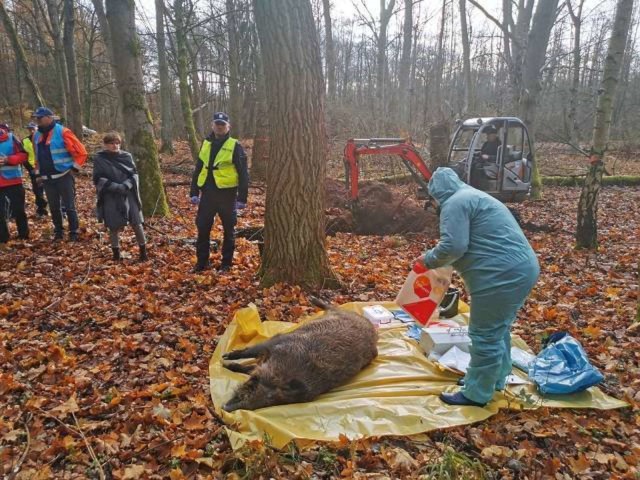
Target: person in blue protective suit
482, 241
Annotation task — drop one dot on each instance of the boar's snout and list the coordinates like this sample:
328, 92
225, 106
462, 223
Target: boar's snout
231, 406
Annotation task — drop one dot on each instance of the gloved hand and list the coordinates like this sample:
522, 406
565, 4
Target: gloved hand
420, 262
240, 205
195, 200
118, 188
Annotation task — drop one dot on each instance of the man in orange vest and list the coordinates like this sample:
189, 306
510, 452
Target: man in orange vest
12, 156
59, 154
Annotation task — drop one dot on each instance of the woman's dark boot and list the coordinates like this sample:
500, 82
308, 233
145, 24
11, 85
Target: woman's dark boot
116, 254
143, 253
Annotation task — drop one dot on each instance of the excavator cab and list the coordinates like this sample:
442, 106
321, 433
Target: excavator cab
494, 154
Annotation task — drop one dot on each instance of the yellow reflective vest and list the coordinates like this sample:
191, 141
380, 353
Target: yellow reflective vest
224, 171
27, 144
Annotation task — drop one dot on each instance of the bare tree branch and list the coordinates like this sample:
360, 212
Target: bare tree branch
496, 21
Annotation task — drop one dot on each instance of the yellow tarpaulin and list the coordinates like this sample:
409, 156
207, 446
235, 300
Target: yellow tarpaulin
396, 395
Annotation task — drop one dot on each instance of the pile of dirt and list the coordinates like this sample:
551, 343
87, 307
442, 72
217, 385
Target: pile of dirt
381, 210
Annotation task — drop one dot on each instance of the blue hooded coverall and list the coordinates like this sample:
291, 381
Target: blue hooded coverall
480, 238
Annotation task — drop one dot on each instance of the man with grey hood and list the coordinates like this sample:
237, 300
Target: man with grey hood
482, 241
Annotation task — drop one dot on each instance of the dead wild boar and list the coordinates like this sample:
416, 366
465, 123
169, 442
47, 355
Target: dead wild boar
298, 366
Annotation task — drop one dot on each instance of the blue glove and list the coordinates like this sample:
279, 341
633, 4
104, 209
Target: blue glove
195, 200
241, 205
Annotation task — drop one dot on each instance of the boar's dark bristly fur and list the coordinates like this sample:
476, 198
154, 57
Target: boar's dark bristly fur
298, 366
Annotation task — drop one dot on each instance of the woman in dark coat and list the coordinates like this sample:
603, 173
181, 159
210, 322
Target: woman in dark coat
118, 204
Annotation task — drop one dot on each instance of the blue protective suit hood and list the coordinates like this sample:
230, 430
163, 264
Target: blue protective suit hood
444, 183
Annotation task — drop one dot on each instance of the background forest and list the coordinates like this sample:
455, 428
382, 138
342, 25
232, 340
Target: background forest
393, 68
104, 365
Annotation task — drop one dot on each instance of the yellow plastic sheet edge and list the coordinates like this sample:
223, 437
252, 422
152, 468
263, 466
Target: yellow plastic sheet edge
396, 395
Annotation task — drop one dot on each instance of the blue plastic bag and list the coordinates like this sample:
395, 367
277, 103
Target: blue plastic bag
563, 367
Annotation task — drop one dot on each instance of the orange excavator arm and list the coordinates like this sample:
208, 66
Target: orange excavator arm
382, 146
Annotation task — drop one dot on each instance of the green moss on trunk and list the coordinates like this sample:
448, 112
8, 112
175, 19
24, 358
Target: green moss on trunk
154, 200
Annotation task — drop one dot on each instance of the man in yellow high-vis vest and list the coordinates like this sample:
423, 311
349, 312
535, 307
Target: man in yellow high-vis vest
219, 187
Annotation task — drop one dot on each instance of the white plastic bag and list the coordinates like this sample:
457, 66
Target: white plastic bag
423, 290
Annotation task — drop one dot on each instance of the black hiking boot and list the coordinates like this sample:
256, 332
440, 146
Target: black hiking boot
143, 254
201, 267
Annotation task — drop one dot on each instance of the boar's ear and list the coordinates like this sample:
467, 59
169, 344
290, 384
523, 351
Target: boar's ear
296, 386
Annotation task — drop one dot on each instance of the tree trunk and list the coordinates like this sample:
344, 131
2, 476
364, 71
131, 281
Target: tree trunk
58, 52
576, 18
98, 7
466, 60
138, 128
88, 75
75, 106
381, 57
587, 228
439, 67
260, 152
183, 75
534, 57
235, 96
439, 144
195, 91
330, 53
405, 64
294, 249
166, 115
20, 55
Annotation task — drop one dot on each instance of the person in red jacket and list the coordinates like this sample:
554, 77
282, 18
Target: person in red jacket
12, 156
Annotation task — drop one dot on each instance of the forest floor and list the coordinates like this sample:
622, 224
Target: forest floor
104, 366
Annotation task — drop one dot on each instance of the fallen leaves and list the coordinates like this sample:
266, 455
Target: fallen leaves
581, 464
70, 406
133, 472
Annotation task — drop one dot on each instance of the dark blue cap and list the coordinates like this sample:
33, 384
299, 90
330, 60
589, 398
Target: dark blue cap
220, 117
43, 112
31, 125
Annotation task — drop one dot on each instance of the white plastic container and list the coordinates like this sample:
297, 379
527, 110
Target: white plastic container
377, 314
440, 340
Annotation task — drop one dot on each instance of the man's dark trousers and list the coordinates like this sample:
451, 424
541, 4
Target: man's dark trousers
38, 191
15, 195
214, 202
62, 192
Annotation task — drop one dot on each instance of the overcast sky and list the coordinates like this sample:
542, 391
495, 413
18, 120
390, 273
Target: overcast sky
346, 9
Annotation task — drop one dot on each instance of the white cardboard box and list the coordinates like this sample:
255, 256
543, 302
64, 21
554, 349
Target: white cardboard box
440, 340
377, 314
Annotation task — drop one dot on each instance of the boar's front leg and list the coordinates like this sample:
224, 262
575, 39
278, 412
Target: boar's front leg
256, 351
239, 367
